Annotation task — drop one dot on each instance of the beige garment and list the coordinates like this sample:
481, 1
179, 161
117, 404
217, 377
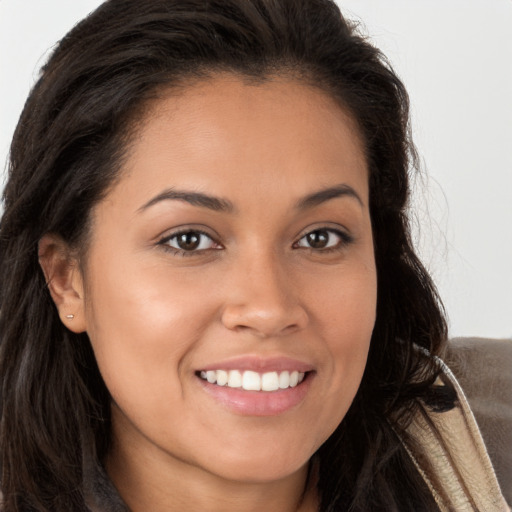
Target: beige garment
454, 449
483, 368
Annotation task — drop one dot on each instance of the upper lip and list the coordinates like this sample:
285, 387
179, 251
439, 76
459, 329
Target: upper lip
260, 364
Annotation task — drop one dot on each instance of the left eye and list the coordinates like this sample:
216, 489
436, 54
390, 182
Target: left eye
321, 239
190, 241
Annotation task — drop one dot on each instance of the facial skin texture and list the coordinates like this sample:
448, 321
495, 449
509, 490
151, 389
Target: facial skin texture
155, 318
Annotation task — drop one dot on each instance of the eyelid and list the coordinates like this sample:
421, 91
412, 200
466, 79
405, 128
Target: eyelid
336, 228
343, 233
187, 228
163, 240
346, 237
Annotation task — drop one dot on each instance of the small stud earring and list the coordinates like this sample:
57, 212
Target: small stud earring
70, 317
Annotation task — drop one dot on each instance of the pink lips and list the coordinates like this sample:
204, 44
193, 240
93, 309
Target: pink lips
259, 403
257, 364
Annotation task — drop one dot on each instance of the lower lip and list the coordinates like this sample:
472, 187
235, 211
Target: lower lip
259, 403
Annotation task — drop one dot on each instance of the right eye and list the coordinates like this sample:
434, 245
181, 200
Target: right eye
189, 241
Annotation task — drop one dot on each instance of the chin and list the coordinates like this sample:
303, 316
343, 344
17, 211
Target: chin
260, 466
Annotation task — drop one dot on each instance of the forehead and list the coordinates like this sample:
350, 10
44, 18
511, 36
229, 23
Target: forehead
227, 132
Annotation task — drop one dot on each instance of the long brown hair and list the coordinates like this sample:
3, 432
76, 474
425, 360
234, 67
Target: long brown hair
66, 153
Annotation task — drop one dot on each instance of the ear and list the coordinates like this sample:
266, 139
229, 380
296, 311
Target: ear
64, 281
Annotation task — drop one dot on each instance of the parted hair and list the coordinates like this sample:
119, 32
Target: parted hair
68, 151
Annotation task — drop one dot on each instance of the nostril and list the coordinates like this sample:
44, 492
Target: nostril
265, 320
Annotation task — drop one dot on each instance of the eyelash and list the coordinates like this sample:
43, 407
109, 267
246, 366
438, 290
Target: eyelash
344, 240
164, 242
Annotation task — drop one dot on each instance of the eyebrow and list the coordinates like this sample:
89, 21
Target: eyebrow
194, 198
317, 198
223, 205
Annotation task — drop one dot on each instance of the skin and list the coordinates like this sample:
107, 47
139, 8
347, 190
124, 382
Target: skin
255, 287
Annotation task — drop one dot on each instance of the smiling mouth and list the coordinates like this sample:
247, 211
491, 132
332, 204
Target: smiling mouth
253, 381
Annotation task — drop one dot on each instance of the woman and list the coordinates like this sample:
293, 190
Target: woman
209, 296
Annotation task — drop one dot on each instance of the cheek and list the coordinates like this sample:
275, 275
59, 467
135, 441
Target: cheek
345, 317
142, 329
345, 306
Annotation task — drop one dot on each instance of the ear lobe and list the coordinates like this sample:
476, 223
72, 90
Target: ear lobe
64, 281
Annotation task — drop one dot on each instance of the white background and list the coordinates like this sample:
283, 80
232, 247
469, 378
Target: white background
455, 57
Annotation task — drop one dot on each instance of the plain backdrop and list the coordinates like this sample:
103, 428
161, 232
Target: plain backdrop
455, 57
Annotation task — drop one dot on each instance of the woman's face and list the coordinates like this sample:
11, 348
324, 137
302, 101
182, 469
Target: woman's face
235, 250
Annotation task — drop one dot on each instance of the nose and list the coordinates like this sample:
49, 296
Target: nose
263, 299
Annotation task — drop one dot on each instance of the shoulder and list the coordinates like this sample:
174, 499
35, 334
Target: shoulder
449, 452
483, 367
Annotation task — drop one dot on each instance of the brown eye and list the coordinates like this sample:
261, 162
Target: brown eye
190, 241
321, 239
318, 239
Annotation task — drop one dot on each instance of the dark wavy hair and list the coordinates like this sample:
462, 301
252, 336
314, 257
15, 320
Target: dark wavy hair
67, 152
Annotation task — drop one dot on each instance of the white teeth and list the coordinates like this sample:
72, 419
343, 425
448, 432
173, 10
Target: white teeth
269, 381
235, 379
253, 381
222, 377
284, 380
